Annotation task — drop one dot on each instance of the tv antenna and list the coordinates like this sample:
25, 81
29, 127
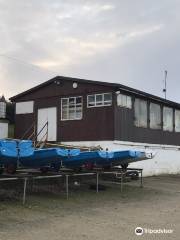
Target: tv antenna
165, 84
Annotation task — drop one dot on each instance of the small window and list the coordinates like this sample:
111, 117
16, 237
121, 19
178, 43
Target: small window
99, 100
177, 120
167, 119
124, 101
140, 110
71, 108
25, 107
155, 116
2, 109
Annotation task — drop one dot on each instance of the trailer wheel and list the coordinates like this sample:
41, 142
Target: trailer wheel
10, 168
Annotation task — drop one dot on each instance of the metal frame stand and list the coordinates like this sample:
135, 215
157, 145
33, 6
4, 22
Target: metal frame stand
97, 182
24, 191
67, 187
29, 178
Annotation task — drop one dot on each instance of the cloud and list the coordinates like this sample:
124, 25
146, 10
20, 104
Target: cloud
77, 48
125, 41
145, 31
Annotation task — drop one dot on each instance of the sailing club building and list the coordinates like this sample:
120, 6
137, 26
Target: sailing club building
84, 112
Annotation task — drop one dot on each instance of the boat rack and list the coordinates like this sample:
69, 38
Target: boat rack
30, 176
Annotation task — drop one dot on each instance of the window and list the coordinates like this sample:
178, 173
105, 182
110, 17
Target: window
71, 108
140, 110
155, 116
168, 119
177, 120
2, 109
24, 107
99, 100
124, 101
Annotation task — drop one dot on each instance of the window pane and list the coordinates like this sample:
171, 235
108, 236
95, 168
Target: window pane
119, 100
99, 99
107, 103
124, 101
129, 102
140, 113
64, 101
65, 114
155, 116
177, 120
91, 98
72, 101
168, 119
108, 97
71, 108
91, 104
78, 100
72, 114
91, 101
79, 114
104, 99
2, 110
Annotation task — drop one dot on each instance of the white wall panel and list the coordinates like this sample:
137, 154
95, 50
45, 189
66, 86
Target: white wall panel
3, 130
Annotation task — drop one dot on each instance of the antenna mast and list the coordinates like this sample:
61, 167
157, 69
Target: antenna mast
165, 84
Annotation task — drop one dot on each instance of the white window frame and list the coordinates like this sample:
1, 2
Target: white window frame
102, 105
67, 98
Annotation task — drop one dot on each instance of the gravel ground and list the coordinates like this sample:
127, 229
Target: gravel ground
109, 214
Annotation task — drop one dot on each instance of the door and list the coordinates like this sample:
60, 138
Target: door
47, 115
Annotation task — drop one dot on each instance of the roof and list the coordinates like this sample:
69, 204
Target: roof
2, 99
117, 86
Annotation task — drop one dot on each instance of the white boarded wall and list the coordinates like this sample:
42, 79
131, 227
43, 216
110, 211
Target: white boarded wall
166, 161
3, 130
24, 107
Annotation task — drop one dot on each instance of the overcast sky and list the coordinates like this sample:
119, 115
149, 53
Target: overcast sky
126, 41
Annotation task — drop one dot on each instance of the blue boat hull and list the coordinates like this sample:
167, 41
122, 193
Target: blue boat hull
8, 152
100, 158
28, 156
78, 160
40, 158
